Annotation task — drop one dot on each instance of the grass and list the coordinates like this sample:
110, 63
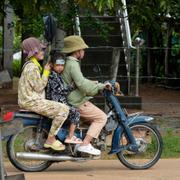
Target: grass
171, 147
16, 68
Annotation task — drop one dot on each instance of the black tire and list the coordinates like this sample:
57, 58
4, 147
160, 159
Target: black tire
20, 143
150, 147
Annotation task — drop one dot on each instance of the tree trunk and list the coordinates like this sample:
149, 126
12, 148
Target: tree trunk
8, 38
115, 63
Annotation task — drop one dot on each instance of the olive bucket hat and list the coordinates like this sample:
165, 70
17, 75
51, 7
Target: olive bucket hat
73, 43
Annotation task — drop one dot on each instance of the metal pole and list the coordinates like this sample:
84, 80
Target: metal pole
129, 71
137, 70
138, 42
1, 159
77, 22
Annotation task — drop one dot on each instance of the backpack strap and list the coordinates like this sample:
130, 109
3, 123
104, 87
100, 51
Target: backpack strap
30, 61
27, 62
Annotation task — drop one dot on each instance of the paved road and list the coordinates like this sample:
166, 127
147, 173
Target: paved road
165, 169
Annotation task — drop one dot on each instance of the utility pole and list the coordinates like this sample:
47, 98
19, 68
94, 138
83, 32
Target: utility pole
8, 37
138, 42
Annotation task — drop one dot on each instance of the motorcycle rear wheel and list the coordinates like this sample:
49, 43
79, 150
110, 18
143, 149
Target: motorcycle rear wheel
24, 141
150, 147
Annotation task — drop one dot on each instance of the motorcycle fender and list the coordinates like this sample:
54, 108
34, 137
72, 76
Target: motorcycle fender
139, 119
29, 122
33, 122
115, 147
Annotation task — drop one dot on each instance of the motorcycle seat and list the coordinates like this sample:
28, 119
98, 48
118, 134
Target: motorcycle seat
22, 113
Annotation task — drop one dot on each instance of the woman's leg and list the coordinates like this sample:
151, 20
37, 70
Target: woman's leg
58, 112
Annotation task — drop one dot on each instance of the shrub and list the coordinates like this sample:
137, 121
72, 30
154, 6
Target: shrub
16, 67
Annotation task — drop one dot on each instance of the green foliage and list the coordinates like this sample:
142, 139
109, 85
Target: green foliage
16, 43
148, 17
30, 14
176, 44
16, 67
171, 145
97, 25
1, 40
157, 21
65, 13
100, 5
34, 25
29, 19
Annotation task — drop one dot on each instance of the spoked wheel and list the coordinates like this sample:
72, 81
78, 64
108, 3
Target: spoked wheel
26, 141
150, 146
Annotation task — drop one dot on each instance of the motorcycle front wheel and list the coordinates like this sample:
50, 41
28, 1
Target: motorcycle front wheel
150, 145
26, 141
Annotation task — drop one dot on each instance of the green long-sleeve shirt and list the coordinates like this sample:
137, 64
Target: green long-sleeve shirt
85, 88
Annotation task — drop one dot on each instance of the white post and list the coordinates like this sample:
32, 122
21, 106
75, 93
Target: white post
126, 23
139, 42
77, 24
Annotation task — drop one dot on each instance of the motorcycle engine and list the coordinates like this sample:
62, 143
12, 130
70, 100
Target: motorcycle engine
111, 122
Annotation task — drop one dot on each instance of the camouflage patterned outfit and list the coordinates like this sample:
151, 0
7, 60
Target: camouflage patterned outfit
31, 96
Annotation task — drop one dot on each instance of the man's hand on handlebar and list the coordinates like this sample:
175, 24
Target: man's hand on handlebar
108, 86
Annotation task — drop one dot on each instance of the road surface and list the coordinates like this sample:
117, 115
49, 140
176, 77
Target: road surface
165, 169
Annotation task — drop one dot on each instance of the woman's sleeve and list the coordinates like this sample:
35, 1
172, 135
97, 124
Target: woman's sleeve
35, 79
48, 90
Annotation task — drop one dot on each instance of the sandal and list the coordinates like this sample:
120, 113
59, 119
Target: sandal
73, 140
56, 145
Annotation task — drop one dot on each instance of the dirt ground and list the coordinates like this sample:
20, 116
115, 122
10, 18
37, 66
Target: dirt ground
160, 101
165, 169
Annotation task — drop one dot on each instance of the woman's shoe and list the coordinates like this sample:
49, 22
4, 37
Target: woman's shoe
56, 145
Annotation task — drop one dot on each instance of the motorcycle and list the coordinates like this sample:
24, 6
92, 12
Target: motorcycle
131, 137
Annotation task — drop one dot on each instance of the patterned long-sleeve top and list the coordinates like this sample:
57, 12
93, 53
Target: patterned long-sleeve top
56, 89
32, 84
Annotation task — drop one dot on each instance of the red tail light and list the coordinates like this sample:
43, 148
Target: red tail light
8, 116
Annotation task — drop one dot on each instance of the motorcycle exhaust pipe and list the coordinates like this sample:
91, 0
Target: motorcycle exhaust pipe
46, 157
